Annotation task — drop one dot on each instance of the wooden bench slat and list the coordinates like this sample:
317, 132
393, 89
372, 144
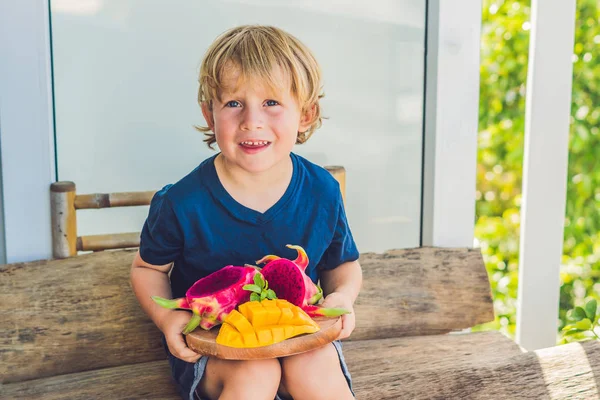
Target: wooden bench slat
483, 365
422, 291
151, 380
78, 314
105, 242
106, 200
394, 355
561, 372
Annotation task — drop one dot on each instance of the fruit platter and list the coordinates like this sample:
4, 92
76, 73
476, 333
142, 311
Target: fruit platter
247, 313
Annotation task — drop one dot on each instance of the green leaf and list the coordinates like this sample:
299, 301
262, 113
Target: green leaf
259, 281
271, 294
578, 314
255, 297
572, 332
590, 309
584, 324
253, 288
263, 295
568, 327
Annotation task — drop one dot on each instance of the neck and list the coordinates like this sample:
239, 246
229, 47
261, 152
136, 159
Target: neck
255, 181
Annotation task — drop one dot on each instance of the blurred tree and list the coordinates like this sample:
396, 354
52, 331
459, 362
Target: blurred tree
504, 55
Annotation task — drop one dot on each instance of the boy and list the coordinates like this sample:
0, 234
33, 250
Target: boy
259, 93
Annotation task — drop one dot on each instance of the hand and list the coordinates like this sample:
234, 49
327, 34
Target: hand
339, 299
171, 327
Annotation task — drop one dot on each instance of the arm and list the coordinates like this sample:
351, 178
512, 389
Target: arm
341, 286
149, 280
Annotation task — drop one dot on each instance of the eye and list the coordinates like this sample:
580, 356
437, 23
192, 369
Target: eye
271, 103
232, 104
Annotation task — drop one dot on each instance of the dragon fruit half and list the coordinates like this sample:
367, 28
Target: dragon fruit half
289, 281
213, 297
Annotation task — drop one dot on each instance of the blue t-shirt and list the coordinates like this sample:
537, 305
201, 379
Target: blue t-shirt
196, 224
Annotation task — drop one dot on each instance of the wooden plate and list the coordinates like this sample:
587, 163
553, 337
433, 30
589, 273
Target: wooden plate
204, 342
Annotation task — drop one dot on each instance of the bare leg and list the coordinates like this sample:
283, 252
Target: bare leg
230, 379
315, 375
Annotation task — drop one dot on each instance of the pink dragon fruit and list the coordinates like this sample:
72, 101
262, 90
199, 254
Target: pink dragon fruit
289, 281
213, 297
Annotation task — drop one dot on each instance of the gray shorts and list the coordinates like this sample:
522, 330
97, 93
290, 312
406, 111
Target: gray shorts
188, 375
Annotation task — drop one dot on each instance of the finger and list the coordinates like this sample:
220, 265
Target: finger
347, 326
193, 359
332, 304
181, 350
187, 354
326, 303
342, 332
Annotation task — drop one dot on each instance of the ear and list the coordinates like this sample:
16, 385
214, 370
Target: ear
308, 118
208, 115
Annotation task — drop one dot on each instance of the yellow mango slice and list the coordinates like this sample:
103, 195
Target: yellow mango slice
273, 315
230, 336
265, 337
243, 308
286, 316
278, 333
290, 331
283, 304
264, 323
239, 322
301, 317
257, 315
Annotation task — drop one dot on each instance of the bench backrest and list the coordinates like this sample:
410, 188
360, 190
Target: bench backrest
64, 203
79, 313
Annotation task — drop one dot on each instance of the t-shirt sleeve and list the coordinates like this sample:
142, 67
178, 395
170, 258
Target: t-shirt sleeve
161, 240
342, 247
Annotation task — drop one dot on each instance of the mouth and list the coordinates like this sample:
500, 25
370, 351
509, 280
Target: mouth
254, 144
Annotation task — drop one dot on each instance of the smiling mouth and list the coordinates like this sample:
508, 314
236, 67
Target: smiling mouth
255, 143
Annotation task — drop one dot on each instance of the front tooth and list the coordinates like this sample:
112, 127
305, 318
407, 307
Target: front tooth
255, 143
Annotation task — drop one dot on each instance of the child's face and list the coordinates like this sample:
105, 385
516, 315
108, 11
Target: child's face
255, 127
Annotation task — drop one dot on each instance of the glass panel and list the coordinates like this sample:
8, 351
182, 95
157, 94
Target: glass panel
126, 82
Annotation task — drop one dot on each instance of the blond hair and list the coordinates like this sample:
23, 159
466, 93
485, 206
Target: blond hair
257, 51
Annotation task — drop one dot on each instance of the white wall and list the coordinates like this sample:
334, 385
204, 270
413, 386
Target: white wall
26, 128
126, 82
451, 122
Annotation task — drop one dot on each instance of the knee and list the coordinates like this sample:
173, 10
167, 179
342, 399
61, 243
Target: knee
266, 373
313, 365
315, 375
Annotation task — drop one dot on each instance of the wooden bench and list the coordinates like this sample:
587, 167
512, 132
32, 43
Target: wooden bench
72, 329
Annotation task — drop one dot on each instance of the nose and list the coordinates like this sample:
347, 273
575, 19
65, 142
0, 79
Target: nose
252, 119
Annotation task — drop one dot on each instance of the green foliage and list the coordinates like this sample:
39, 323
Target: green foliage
260, 289
504, 54
582, 323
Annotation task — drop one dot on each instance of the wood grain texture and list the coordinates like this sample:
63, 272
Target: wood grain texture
484, 365
78, 314
63, 219
472, 366
150, 380
422, 291
105, 200
203, 342
106, 242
